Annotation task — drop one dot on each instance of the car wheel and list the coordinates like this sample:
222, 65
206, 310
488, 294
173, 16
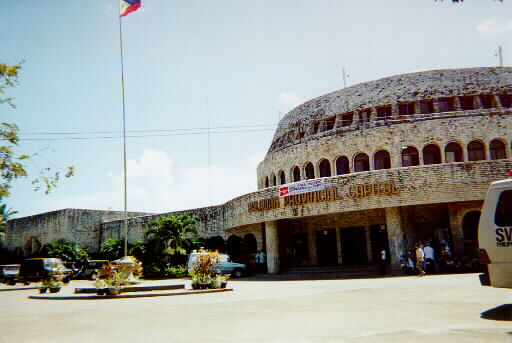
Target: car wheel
94, 276
237, 273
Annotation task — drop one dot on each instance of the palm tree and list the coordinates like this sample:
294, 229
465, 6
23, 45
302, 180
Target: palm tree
5, 214
172, 234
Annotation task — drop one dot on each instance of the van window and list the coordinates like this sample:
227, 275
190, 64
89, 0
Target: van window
503, 216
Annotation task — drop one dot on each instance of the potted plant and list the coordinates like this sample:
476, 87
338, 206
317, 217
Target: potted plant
53, 284
115, 283
224, 280
101, 287
195, 280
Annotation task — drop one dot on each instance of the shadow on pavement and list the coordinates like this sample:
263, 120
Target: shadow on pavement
503, 312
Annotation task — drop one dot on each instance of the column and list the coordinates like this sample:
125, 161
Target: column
272, 242
313, 259
395, 233
338, 245
369, 251
456, 230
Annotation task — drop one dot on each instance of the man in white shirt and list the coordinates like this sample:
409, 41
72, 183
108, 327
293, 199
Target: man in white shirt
430, 257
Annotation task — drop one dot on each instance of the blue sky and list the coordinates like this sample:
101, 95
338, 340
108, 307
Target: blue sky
190, 65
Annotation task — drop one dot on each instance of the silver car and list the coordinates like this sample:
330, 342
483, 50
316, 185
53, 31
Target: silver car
225, 266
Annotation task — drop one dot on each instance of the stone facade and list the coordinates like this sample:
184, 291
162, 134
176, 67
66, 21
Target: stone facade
433, 141
75, 225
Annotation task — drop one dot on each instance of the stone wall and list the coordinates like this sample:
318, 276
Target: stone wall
75, 225
211, 223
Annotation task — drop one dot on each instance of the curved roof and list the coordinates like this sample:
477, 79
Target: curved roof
391, 90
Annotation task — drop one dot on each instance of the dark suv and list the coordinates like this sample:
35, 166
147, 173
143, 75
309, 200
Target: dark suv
38, 269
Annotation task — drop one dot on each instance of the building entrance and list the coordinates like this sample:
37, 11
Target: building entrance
326, 247
353, 246
379, 239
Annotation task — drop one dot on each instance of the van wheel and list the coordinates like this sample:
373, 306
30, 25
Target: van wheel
94, 276
237, 273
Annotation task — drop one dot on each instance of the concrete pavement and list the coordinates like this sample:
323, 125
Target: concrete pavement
397, 309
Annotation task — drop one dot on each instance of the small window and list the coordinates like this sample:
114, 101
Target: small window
347, 118
316, 126
296, 174
445, 105
310, 171
410, 157
301, 134
274, 180
467, 103
382, 160
364, 116
497, 150
506, 100
476, 151
266, 182
407, 109
342, 166
453, 153
486, 101
325, 168
361, 163
431, 154
282, 178
329, 123
503, 215
427, 106
383, 112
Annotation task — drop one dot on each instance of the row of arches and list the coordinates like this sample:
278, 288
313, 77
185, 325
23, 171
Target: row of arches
410, 156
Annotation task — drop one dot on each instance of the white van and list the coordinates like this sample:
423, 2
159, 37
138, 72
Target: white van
495, 235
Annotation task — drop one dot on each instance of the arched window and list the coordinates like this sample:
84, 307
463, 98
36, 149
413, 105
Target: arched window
342, 166
282, 177
274, 180
296, 174
497, 150
381, 160
410, 157
361, 162
476, 151
431, 154
266, 182
310, 171
325, 168
453, 153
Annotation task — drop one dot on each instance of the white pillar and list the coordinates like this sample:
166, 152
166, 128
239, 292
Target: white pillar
272, 242
395, 233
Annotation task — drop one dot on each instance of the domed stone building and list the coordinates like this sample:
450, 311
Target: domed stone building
382, 164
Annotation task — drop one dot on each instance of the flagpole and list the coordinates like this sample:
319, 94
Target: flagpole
124, 142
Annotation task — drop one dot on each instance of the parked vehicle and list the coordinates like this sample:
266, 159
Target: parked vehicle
495, 235
92, 269
9, 273
38, 269
225, 265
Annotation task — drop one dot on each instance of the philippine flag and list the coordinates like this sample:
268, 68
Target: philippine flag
128, 6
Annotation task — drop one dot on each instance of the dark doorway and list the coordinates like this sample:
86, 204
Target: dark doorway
216, 243
353, 246
300, 249
470, 229
233, 247
379, 239
326, 247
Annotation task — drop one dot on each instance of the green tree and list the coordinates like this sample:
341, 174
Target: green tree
173, 234
12, 166
5, 214
112, 249
66, 251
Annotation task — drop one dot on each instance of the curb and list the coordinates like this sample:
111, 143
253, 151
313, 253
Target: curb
126, 296
17, 289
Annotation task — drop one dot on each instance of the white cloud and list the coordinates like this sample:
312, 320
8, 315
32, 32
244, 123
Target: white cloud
494, 25
156, 185
288, 101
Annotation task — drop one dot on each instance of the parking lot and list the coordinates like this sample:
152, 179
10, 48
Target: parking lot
452, 308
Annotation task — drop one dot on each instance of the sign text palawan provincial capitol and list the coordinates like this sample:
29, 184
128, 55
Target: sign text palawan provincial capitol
316, 192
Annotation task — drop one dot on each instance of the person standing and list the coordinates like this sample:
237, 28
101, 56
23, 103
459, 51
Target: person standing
382, 261
420, 259
260, 261
430, 258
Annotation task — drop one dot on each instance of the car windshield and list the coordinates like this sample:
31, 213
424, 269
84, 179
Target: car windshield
51, 261
10, 268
